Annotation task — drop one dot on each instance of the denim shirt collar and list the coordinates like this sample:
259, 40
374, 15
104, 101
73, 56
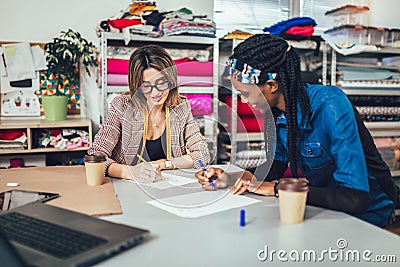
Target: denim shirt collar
281, 119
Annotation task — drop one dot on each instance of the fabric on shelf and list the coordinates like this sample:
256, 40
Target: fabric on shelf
195, 80
243, 109
201, 104
123, 23
301, 30
284, 25
187, 67
248, 123
117, 79
122, 79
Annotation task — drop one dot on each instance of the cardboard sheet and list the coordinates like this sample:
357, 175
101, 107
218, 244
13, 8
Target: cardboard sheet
70, 183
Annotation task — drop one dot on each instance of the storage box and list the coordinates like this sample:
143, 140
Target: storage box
377, 36
349, 15
347, 34
394, 37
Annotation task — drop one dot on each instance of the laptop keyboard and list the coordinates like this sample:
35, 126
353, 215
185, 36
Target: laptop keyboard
52, 239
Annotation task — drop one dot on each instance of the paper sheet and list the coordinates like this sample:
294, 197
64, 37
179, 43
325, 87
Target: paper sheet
171, 181
19, 61
202, 203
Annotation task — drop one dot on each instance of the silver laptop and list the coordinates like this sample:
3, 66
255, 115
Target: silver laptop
44, 235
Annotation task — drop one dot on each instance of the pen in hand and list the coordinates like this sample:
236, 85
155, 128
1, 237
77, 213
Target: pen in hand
205, 174
145, 161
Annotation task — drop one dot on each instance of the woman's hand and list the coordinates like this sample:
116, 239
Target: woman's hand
145, 172
217, 175
249, 183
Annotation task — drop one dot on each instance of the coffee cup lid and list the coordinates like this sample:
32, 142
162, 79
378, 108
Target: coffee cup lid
293, 185
95, 158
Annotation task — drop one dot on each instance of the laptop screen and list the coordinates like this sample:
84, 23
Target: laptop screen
15, 198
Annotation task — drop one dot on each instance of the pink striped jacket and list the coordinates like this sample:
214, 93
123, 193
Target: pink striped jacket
122, 131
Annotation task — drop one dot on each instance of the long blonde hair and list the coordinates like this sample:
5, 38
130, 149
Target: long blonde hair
152, 56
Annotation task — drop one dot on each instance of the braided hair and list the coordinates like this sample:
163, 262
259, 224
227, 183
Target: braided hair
273, 54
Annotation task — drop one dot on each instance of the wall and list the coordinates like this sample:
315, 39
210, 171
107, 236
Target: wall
40, 21
384, 13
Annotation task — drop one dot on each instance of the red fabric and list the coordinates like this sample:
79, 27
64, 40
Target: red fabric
11, 134
117, 66
243, 109
248, 124
123, 23
301, 30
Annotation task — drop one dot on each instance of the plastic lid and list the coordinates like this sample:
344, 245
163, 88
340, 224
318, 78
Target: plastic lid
95, 158
293, 185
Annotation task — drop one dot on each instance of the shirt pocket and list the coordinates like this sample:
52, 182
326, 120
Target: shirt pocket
315, 156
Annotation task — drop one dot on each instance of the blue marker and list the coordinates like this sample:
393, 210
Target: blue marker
205, 174
242, 218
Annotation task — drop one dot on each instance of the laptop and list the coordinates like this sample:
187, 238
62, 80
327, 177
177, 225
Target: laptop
37, 234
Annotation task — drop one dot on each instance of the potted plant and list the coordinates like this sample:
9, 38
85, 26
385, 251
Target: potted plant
64, 56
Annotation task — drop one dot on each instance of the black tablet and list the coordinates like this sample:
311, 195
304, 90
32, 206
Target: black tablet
15, 198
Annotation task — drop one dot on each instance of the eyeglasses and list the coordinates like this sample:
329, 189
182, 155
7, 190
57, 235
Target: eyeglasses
160, 85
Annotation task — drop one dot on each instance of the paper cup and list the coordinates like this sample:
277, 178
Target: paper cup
292, 200
94, 166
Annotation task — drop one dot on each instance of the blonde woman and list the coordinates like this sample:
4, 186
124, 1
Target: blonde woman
151, 127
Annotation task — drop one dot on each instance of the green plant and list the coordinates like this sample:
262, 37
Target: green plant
65, 52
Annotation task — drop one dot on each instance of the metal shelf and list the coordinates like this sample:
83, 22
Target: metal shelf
392, 92
167, 39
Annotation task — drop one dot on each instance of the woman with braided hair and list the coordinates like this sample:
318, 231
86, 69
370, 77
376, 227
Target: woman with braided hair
317, 131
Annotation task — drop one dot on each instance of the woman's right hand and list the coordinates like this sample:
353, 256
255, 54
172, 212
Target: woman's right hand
145, 172
217, 175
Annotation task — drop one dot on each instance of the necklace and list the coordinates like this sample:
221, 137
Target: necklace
160, 122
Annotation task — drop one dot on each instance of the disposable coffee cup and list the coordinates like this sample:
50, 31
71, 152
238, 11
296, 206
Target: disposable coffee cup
94, 165
292, 200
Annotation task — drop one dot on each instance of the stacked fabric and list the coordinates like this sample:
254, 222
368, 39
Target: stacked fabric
61, 138
377, 108
249, 119
302, 26
141, 17
13, 139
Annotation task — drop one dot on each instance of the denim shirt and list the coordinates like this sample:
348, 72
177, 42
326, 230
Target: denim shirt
329, 151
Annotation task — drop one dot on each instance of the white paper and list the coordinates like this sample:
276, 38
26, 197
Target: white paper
39, 59
202, 203
170, 181
19, 61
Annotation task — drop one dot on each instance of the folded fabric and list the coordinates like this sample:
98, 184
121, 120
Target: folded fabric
193, 68
201, 104
248, 124
117, 79
301, 30
243, 109
122, 79
118, 66
282, 26
378, 110
184, 66
122, 23
195, 80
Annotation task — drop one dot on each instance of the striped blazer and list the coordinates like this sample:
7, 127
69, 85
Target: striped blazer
121, 133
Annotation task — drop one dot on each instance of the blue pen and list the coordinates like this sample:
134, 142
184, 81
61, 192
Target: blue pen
205, 174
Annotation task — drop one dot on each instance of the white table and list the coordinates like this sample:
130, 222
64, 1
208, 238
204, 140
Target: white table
218, 240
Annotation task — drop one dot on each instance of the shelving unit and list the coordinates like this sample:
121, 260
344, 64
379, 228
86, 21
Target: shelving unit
370, 88
176, 42
30, 125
